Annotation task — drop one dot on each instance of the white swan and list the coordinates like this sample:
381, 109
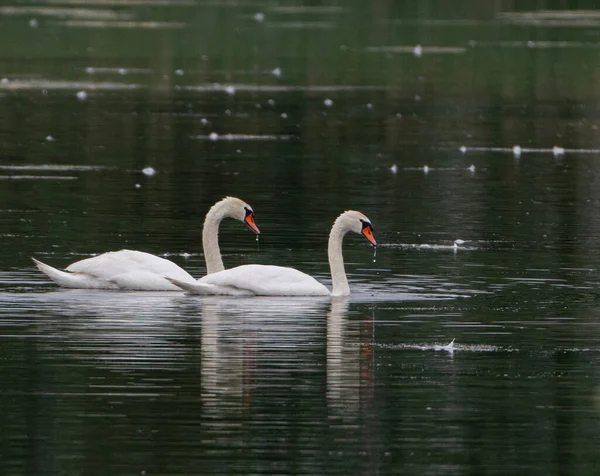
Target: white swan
139, 271
260, 280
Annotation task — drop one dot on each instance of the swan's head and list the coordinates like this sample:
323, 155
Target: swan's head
358, 223
240, 210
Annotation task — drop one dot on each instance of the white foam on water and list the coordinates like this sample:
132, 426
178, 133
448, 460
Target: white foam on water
417, 50
450, 348
302, 25
530, 44
278, 88
55, 168
306, 10
518, 150
456, 245
142, 25
58, 12
81, 86
555, 18
213, 136
121, 71
37, 177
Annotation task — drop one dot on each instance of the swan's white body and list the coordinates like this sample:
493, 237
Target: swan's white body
255, 280
260, 280
139, 271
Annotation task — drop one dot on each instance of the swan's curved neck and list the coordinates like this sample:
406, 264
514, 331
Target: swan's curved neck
210, 237
339, 281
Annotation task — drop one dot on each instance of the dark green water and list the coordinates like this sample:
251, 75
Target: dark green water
303, 109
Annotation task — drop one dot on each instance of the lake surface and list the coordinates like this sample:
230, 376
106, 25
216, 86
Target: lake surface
471, 122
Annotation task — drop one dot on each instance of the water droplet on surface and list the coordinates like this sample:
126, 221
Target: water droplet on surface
148, 171
374, 254
328, 102
81, 95
277, 72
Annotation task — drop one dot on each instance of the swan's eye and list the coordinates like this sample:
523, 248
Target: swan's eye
366, 224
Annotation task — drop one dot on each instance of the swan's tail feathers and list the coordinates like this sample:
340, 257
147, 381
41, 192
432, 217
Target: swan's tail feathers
192, 288
62, 278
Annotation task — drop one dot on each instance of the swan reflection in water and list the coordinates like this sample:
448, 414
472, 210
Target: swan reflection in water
350, 362
242, 350
238, 345
242, 335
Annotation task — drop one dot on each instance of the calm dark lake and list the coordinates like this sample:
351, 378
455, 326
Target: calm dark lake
441, 121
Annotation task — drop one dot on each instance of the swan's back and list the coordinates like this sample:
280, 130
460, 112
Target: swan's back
115, 263
263, 280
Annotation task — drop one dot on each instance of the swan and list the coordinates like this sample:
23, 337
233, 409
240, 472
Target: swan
140, 271
261, 280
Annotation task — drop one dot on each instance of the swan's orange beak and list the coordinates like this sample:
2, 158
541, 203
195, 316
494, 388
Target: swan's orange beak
249, 220
367, 231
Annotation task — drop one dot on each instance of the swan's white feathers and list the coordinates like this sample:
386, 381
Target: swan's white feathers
117, 263
236, 203
209, 289
125, 269
152, 282
258, 280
